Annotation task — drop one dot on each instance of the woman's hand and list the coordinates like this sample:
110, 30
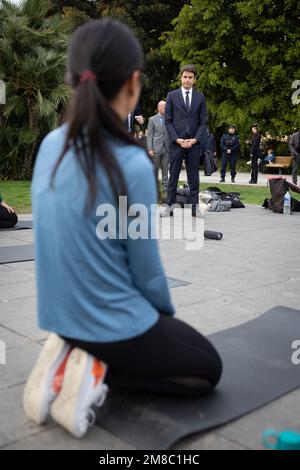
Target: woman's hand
7, 207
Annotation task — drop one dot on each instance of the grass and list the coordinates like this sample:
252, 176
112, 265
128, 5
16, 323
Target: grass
17, 193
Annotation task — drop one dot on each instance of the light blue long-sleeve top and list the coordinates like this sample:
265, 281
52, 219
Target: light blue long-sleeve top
92, 289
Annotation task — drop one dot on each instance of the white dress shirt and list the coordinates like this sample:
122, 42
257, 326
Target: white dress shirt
183, 91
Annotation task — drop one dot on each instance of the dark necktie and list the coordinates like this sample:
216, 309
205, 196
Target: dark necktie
187, 100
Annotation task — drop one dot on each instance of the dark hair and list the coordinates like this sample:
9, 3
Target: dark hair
188, 68
111, 53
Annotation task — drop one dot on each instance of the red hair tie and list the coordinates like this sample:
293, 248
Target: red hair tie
87, 75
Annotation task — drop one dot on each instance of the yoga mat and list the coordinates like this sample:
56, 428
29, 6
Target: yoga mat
17, 253
257, 370
21, 225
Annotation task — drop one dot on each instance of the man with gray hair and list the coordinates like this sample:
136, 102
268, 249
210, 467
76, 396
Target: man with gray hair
158, 143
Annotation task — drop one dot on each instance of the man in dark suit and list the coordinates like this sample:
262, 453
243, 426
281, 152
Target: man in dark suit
185, 119
136, 116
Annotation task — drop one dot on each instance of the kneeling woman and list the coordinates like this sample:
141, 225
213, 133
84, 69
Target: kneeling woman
103, 295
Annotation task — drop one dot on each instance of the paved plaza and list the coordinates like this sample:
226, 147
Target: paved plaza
254, 268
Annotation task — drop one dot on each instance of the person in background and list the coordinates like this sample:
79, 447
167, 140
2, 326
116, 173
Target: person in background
211, 145
230, 147
158, 143
142, 139
186, 123
135, 117
8, 216
255, 153
269, 158
294, 145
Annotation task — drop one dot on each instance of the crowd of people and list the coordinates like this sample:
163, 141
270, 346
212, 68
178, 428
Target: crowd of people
156, 135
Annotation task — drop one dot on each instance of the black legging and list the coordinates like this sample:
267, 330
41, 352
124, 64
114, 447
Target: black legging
7, 219
170, 358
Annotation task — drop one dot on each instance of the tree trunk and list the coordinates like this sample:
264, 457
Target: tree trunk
26, 171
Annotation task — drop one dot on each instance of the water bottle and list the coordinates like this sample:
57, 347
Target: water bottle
287, 204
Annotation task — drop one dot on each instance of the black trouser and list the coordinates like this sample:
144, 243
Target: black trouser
262, 165
170, 358
231, 159
192, 162
254, 168
7, 219
296, 166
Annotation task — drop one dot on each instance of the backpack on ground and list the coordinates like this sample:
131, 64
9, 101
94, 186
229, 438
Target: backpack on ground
278, 187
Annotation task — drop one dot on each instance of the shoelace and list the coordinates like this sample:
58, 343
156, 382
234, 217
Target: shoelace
90, 418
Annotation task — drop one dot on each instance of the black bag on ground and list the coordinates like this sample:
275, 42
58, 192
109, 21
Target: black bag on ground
236, 203
183, 196
295, 205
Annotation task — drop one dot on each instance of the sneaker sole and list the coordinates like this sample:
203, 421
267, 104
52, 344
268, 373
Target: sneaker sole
36, 398
64, 408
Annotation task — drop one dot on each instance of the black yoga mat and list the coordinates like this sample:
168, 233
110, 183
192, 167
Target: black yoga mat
257, 370
21, 225
17, 253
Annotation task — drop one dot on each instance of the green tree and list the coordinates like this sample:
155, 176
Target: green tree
32, 52
247, 54
149, 19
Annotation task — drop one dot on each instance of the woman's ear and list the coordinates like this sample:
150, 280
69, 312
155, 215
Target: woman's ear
135, 83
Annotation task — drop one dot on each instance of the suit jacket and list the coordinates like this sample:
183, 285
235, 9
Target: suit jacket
157, 136
230, 142
294, 144
182, 123
136, 112
255, 145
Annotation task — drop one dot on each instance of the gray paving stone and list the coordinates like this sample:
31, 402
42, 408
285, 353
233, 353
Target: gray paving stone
255, 267
9, 241
58, 439
188, 295
27, 327
18, 309
22, 266
12, 276
280, 414
18, 290
10, 338
16, 425
208, 441
19, 362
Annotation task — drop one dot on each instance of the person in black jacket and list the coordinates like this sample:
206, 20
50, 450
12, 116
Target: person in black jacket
294, 145
211, 145
8, 217
230, 146
134, 117
255, 153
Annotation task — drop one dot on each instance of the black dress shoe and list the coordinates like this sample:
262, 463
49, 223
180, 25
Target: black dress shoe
252, 182
222, 180
197, 213
232, 179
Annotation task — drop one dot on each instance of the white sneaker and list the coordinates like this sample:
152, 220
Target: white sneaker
249, 162
83, 386
45, 380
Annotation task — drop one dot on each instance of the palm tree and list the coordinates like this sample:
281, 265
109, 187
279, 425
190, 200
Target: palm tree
32, 65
